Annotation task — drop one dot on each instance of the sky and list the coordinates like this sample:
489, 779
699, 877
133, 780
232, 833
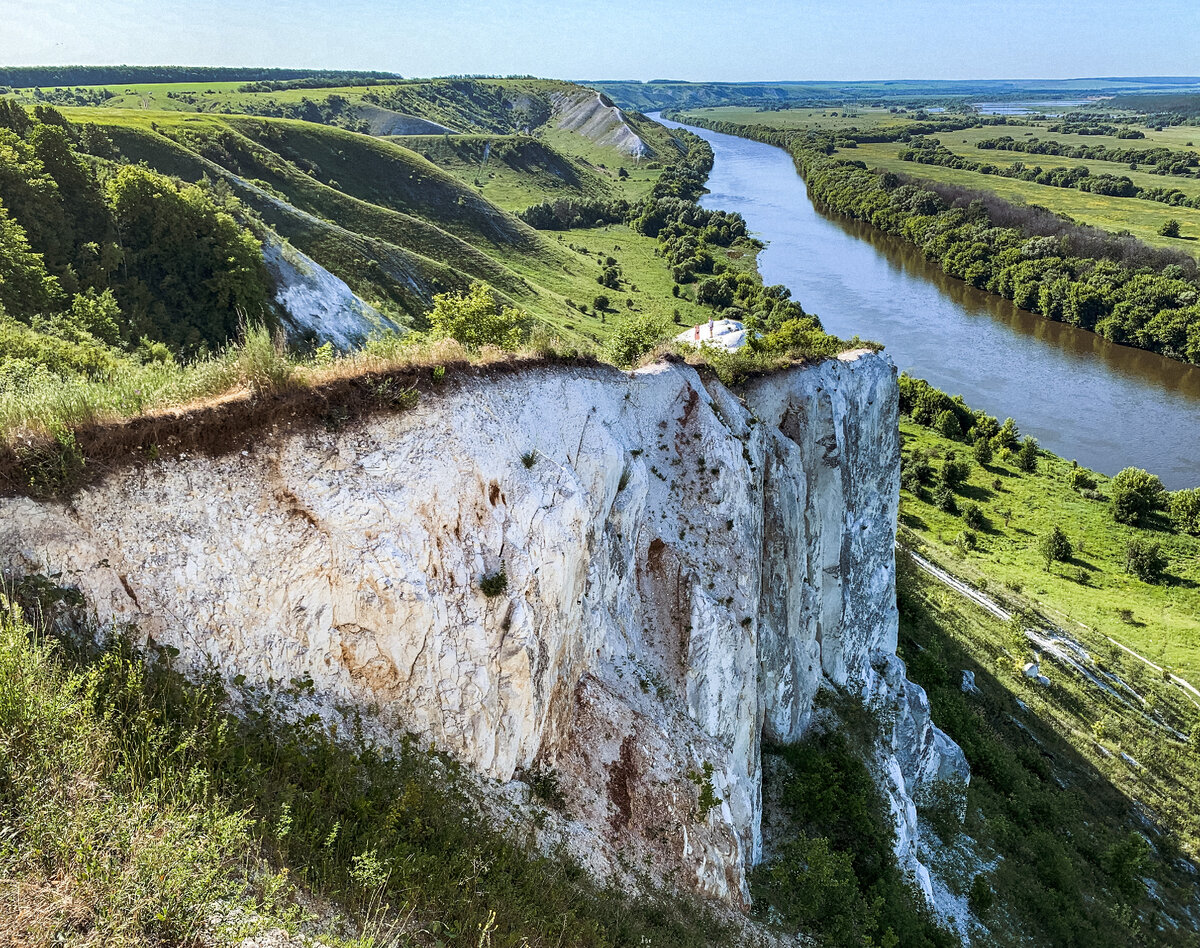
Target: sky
622, 39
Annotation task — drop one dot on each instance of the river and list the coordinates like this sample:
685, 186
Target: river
1082, 397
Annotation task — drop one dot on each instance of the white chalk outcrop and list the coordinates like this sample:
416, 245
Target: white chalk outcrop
316, 302
685, 569
589, 114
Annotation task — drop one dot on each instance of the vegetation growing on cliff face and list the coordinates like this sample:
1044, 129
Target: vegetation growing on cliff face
135, 809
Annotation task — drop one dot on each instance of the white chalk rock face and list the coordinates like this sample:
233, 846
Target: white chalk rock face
683, 570
316, 301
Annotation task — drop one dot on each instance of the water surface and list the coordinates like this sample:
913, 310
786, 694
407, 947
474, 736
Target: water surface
1082, 397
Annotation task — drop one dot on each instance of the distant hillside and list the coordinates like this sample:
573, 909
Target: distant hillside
670, 93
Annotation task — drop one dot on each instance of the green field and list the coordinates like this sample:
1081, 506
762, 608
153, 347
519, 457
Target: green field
1085, 594
1139, 217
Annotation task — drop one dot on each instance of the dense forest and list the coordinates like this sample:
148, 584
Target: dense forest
1113, 285
98, 261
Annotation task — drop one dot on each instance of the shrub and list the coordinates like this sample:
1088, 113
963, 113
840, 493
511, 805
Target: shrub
476, 320
1080, 480
1135, 493
980, 896
494, 584
954, 472
944, 500
947, 425
973, 517
601, 302
1055, 546
983, 451
1184, 506
635, 336
1027, 456
1145, 560
1169, 228
966, 540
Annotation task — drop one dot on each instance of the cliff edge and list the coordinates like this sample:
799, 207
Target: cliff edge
628, 581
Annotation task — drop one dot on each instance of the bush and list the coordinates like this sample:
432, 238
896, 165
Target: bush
947, 426
1135, 493
476, 320
982, 449
944, 500
1145, 560
601, 302
1169, 228
1055, 546
1027, 456
966, 540
954, 472
494, 584
633, 337
1080, 480
1184, 506
973, 517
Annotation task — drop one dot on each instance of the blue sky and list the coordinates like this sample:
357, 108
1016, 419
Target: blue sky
639, 39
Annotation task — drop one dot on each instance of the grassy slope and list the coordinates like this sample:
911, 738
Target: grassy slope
1141, 218
1086, 593
397, 226
1049, 800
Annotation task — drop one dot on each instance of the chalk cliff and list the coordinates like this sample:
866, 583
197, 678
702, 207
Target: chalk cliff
684, 569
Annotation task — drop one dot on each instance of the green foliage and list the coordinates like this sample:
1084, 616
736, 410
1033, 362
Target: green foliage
1055, 546
193, 272
263, 361
1081, 480
1145, 560
1027, 455
954, 472
836, 876
1184, 506
947, 425
974, 517
1169, 228
476, 319
635, 336
983, 451
1135, 494
494, 584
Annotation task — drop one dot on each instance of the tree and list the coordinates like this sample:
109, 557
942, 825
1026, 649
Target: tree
1145, 560
1008, 434
1055, 546
601, 302
193, 271
983, 452
1169, 229
475, 319
1135, 493
954, 472
947, 425
1027, 456
1185, 509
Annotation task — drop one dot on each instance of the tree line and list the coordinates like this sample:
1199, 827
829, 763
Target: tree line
930, 151
1112, 285
1159, 160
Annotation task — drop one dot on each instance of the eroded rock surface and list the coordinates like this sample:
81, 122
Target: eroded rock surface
684, 570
